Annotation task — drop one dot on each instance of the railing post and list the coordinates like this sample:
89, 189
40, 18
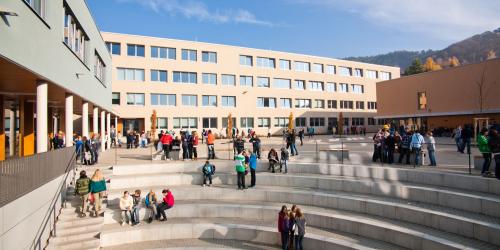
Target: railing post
342, 151
470, 169
317, 152
54, 219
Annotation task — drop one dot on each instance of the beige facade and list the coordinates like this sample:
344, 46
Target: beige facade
227, 62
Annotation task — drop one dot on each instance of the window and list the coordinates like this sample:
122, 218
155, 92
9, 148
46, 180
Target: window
264, 62
228, 80
188, 55
332, 104
209, 122
345, 71
185, 77
246, 60
303, 103
207, 56
385, 75
263, 82
161, 123
158, 75
346, 104
330, 69
317, 68
163, 53
315, 86
38, 6
358, 121
344, 87
317, 121
128, 74
190, 100
319, 104
246, 122
422, 100
266, 102
372, 74
135, 50
114, 48
74, 36
381, 122
115, 98
331, 87
209, 78
360, 105
163, 99
286, 103
246, 81
135, 99
346, 121
281, 83
299, 84
358, 89
186, 122
332, 122
99, 67
300, 122
372, 105
358, 72
302, 66
209, 101
371, 121
224, 122
264, 122
228, 101
281, 122
284, 64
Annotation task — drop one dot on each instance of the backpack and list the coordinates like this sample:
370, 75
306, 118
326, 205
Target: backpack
82, 186
213, 169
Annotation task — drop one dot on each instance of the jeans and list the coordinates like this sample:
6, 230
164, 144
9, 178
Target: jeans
294, 149
285, 236
377, 153
205, 177
126, 216
417, 155
135, 214
144, 142
486, 163
241, 180
465, 143
404, 152
166, 150
194, 152
160, 210
252, 175
211, 151
298, 242
459, 144
83, 207
390, 155
151, 211
284, 163
432, 157
256, 150
185, 152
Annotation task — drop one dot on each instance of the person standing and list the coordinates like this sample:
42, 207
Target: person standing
457, 135
255, 140
431, 148
293, 146
210, 145
494, 144
113, 136
404, 148
284, 159
195, 141
301, 136
484, 148
151, 202
377, 145
416, 145
97, 188
283, 227
466, 136
208, 170
253, 168
82, 189
168, 202
185, 146
240, 171
126, 204
300, 222
166, 141
390, 147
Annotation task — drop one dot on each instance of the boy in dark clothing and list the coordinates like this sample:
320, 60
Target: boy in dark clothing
82, 189
404, 148
208, 170
494, 144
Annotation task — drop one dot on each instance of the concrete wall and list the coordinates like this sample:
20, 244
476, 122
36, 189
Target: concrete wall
36, 44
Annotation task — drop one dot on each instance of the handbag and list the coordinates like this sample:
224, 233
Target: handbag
87, 156
91, 198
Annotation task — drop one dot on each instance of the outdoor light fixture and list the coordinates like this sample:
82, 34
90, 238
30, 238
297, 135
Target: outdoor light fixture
7, 13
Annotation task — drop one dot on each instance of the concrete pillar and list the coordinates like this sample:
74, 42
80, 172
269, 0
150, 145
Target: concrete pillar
12, 132
103, 135
95, 126
54, 124
2, 130
116, 123
41, 117
108, 130
68, 116
85, 119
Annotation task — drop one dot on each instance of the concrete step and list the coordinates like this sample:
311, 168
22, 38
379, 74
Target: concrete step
475, 202
79, 222
80, 244
195, 244
440, 218
73, 237
231, 229
80, 229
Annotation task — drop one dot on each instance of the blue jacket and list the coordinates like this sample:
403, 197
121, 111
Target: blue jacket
253, 161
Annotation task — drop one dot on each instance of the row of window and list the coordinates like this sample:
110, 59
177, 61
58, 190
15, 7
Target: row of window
230, 101
246, 60
260, 122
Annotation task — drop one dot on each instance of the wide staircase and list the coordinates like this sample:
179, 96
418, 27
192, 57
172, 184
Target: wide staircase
346, 207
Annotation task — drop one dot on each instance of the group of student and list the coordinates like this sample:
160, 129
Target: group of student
292, 227
90, 190
87, 150
155, 208
171, 145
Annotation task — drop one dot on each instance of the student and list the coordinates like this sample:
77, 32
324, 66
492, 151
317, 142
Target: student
273, 159
284, 159
404, 148
151, 202
494, 144
195, 141
300, 222
82, 189
126, 204
97, 188
431, 149
283, 227
87, 151
416, 145
253, 168
292, 228
390, 147
301, 136
293, 146
168, 202
482, 142
255, 140
240, 170
208, 170
166, 141
135, 208
210, 145
176, 148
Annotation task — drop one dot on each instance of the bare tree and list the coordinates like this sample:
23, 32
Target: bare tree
483, 88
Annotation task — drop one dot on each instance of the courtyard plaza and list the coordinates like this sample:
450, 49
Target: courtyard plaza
355, 205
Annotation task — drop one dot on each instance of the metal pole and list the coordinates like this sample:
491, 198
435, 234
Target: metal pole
470, 170
54, 222
116, 155
342, 151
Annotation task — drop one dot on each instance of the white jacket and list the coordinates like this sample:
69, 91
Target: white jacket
126, 203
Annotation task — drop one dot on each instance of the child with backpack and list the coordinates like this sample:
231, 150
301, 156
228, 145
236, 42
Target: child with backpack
208, 170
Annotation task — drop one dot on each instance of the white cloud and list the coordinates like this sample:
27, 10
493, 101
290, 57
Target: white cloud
198, 10
449, 20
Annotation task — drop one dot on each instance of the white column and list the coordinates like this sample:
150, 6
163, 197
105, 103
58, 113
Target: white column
95, 128
85, 119
54, 124
108, 130
41, 117
116, 124
102, 131
68, 118
12, 132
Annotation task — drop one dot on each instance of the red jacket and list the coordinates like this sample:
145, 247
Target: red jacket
166, 139
195, 141
169, 199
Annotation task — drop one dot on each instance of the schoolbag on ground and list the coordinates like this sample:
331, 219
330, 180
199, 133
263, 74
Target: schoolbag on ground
82, 186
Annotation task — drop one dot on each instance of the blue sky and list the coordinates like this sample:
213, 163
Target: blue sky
331, 28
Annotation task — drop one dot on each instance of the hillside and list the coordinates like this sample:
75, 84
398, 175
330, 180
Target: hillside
471, 50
